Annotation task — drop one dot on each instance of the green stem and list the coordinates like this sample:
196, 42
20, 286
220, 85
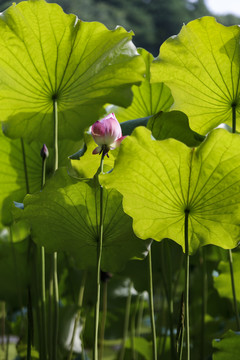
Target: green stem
170, 300
126, 321
166, 262
140, 315
230, 259
55, 112
80, 303
30, 325
29, 305
180, 334
230, 251
187, 286
153, 328
43, 278
56, 306
50, 314
233, 118
43, 304
54, 275
104, 318
133, 328
99, 258
204, 302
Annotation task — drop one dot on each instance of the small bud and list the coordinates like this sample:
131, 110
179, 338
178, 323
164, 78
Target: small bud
44, 152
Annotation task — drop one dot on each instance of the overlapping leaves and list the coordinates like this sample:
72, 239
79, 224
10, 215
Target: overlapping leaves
65, 217
21, 170
148, 99
160, 180
47, 55
201, 67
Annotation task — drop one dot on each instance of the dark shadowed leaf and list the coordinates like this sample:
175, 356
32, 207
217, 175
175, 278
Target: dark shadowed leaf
65, 217
173, 124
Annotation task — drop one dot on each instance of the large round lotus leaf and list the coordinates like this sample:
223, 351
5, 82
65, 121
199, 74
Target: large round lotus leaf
47, 55
21, 170
65, 217
201, 67
148, 99
160, 180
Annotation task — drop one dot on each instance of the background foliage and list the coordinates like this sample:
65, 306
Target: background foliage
152, 21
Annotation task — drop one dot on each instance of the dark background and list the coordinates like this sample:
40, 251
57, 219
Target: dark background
152, 21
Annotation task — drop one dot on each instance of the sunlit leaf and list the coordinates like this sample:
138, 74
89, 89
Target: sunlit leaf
142, 346
160, 180
47, 55
222, 282
65, 217
201, 67
148, 99
228, 347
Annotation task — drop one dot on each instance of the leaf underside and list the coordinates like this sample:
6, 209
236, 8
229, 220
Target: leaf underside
160, 180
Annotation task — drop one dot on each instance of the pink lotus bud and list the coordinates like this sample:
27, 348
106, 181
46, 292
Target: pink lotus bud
44, 152
107, 134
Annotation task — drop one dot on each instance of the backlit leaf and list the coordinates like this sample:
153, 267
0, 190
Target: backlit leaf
222, 282
160, 180
47, 55
201, 67
148, 99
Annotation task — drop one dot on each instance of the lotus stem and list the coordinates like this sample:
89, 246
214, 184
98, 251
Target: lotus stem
187, 285
99, 259
153, 327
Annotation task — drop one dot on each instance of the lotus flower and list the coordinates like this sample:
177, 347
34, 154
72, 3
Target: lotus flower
107, 134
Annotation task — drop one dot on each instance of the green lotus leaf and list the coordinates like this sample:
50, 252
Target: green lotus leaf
228, 347
47, 56
173, 124
16, 156
13, 271
161, 180
65, 217
88, 164
222, 282
148, 99
141, 346
201, 67
15, 183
